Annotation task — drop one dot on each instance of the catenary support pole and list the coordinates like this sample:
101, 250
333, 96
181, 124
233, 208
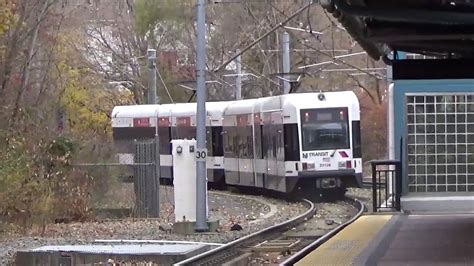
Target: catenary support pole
151, 54
286, 62
238, 80
153, 182
201, 151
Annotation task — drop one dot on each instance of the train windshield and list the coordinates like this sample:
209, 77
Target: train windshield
324, 129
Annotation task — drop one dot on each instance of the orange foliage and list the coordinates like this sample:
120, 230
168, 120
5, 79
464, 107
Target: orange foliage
373, 128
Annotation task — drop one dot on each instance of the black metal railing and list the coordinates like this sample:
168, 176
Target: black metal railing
386, 185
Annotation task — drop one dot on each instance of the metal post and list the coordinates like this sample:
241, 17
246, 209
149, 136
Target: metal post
286, 62
201, 151
238, 80
151, 54
398, 192
156, 185
390, 114
153, 182
374, 187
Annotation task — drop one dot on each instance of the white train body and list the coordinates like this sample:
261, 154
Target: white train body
281, 143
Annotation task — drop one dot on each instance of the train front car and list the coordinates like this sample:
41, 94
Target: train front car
327, 158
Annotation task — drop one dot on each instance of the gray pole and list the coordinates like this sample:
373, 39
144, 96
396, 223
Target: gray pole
238, 80
390, 114
286, 62
201, 172
153, 183
151, 54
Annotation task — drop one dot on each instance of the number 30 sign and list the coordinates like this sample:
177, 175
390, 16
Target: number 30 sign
201, 155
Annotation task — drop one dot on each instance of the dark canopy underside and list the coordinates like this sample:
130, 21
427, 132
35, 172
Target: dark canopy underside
431, 27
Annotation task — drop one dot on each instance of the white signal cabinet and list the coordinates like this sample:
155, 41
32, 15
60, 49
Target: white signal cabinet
184, 180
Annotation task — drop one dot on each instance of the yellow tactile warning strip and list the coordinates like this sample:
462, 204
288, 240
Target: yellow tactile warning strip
344, 247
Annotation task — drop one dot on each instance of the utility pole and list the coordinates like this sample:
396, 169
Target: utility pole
151, 54
201, 151
238, 80
286, 62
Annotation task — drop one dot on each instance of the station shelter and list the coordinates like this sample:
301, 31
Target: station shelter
432, 132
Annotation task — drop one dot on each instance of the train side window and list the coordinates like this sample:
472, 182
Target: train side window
240, 149
164, 136
281, 144
264, 141
217, 145
209, 141
185, 132
274, 146
235, 147
228, 141
250, 147
356, 143
263, 147
291, 143
258, 142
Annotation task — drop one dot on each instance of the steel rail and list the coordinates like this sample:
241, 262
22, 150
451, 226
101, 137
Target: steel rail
252, 237
308, 249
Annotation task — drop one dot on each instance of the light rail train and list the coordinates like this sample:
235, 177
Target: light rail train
305, 142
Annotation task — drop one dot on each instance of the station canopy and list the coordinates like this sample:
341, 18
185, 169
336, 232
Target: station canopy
431, 27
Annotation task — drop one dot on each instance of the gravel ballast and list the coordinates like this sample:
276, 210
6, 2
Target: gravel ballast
252, 213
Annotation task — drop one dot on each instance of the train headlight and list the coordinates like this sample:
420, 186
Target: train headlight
321, 97
309, 166
345, 164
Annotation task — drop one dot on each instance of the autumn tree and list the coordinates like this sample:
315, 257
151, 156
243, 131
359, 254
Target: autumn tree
54, 109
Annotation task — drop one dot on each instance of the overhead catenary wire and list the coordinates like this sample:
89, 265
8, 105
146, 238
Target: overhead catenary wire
328, 62
260, 75
274, 28
164, 84
334, 58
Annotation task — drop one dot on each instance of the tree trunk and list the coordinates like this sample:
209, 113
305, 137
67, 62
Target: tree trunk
26, 69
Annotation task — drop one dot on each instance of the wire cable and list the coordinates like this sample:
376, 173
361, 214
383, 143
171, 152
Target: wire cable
164, 84
326, 54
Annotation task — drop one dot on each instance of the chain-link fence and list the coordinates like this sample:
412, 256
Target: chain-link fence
146, 181
129, 181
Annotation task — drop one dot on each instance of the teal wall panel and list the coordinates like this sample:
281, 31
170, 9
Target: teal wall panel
423, 87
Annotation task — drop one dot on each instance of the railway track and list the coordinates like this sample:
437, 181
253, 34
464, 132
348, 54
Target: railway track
285, 243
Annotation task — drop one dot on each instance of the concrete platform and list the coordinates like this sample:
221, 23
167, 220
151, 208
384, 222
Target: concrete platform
459, 202
163, 254
444, 239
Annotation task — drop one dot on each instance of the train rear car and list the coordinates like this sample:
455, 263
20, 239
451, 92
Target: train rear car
170, 121
137, 123
183, 119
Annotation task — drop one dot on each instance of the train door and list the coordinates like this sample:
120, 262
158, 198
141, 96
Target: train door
259, 164
270, 135
231, 156
166, 161
210, 154
280, 148
266, 146
215, 163
245, 150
